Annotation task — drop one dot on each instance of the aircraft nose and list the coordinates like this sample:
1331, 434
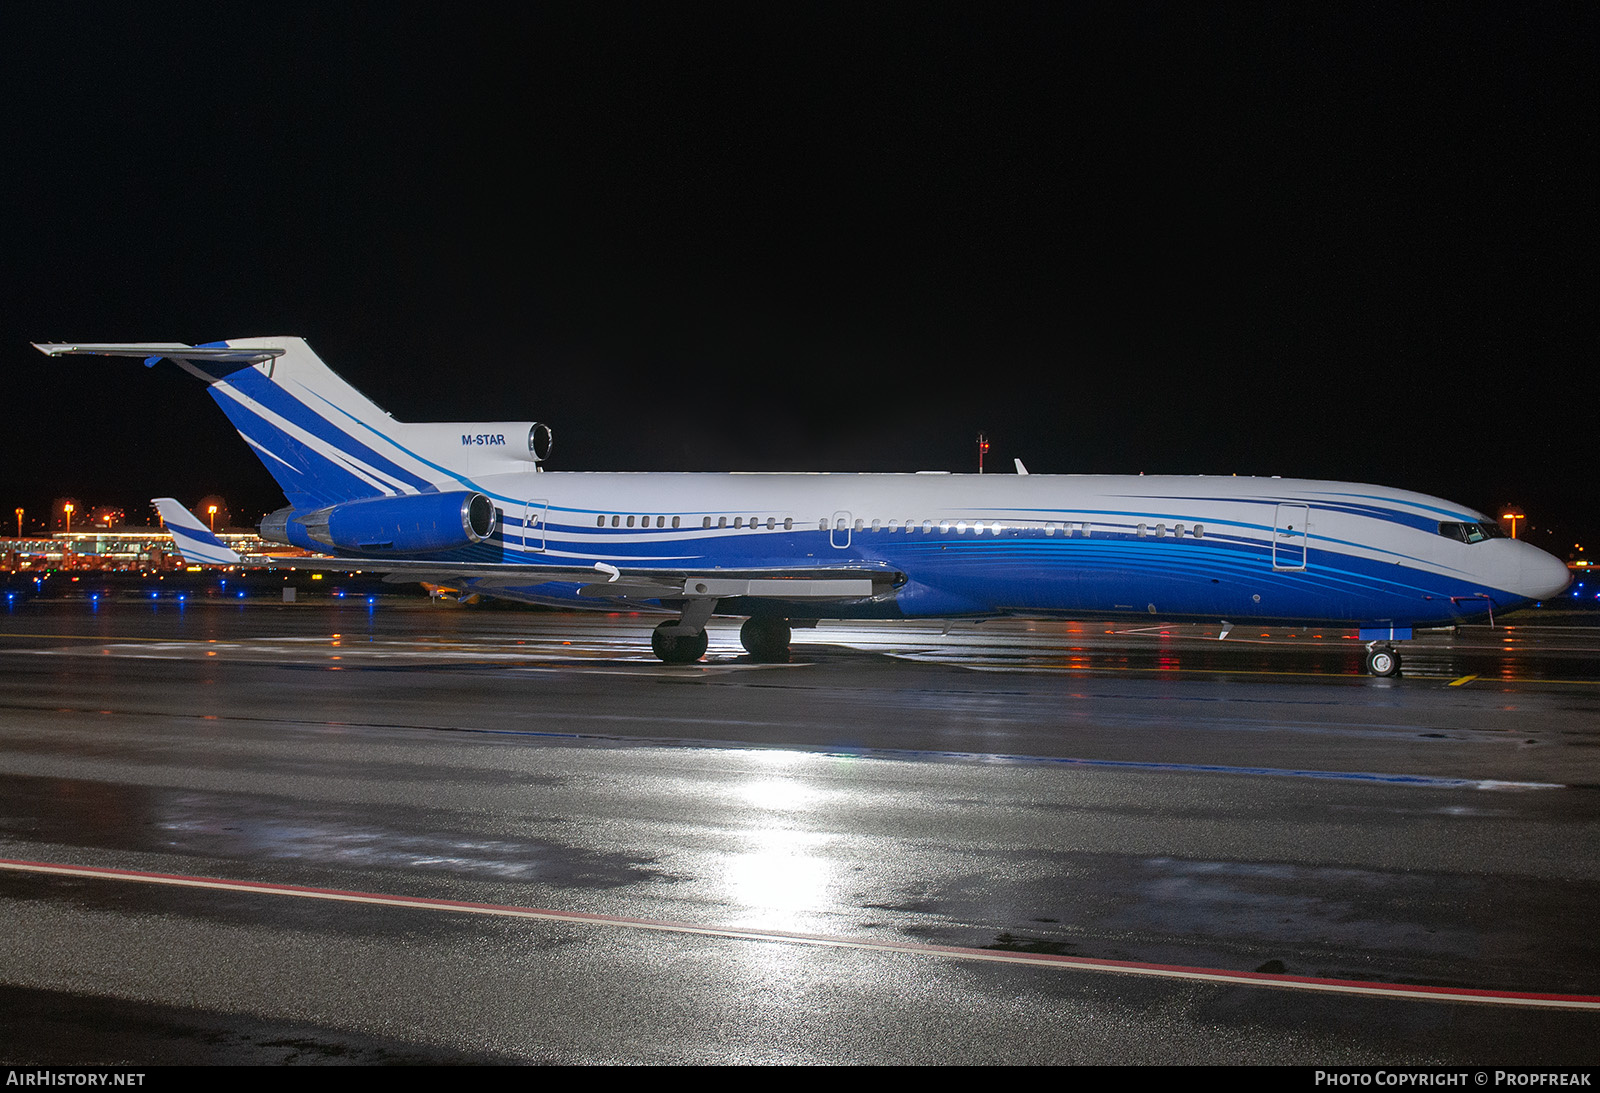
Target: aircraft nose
1541, 576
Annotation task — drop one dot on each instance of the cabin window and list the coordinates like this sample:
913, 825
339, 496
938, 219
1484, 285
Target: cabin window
1086, 529
675, 521
630, 521
722, 521
616, 521
1161, 531
705, 522
822, 524
788, 523
600, 521
1177, 531
1140, 531
875, 525
1199, 531
738, 521
858, 525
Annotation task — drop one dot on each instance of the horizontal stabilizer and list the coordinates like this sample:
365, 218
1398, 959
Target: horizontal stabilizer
154, 351
193, 539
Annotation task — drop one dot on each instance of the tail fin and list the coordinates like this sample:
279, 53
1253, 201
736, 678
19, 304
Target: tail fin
193, 539
324, 441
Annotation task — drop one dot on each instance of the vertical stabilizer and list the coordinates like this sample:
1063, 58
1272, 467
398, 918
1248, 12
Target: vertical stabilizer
323, 440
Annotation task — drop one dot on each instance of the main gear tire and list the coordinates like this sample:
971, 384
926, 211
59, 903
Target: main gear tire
766, 640
678, 648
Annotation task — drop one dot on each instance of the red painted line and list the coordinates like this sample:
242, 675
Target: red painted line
997, 956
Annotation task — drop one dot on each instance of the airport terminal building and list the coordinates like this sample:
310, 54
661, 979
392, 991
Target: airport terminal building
120, 549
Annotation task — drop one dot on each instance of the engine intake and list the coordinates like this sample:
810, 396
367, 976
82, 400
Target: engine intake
411, 524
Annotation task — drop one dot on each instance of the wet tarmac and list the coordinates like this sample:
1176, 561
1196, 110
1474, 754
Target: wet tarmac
410, 832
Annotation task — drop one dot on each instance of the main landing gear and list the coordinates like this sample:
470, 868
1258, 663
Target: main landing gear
1382, 660
677, 648
678, 642
766, 640
683, 640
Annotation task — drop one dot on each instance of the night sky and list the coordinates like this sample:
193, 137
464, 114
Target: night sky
1348, 241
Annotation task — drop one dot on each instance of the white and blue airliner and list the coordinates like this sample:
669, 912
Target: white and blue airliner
469, 506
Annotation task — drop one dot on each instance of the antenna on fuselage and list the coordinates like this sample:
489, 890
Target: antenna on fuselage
983, 450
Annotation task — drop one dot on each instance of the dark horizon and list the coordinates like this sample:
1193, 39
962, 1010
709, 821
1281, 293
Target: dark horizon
1348, 243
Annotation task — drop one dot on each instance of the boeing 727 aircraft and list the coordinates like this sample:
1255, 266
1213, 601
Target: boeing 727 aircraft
469, 506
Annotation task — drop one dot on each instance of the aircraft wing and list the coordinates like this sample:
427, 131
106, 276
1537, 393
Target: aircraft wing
597, 581
602, 581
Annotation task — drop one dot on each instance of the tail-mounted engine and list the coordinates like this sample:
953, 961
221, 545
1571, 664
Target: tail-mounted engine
420, 523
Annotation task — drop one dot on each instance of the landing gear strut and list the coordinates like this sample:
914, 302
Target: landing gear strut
675, 648
1382, 660
766, 640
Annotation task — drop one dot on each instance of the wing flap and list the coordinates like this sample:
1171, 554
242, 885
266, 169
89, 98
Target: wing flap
783, 588
810, 583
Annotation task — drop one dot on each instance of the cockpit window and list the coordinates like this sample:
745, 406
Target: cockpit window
1471, 533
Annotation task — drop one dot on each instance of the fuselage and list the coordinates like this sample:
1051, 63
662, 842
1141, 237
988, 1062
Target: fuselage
1178, 548
363, 485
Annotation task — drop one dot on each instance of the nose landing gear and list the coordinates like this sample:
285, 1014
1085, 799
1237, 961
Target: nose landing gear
1382, 660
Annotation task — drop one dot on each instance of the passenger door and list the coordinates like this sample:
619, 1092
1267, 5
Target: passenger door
533, 520
1289, 537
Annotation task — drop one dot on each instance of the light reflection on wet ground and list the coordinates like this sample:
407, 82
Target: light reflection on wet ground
1507, 652
1247, 804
